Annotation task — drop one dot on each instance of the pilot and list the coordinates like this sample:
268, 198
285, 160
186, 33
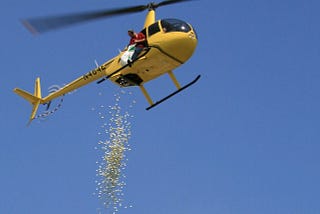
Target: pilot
139, 39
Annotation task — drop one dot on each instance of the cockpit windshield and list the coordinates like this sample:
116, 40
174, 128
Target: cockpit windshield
172, 25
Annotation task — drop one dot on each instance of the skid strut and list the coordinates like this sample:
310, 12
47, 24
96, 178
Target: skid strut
174, 80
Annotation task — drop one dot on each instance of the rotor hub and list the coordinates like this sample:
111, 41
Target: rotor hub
152, 6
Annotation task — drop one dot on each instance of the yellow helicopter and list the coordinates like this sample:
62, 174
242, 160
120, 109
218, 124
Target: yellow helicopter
168, 44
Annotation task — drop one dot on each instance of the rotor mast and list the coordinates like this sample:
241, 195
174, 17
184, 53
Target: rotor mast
151, 16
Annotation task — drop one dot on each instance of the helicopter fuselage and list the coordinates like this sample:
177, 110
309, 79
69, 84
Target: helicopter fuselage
169, 44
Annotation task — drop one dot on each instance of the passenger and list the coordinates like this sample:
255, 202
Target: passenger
139, 40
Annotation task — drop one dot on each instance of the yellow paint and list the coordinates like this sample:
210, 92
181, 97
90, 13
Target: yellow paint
166, 52
173, 78
150, 18
145, 93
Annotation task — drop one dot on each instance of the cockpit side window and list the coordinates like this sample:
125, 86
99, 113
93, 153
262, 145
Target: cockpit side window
144, 31
154, 28
171, 25
166, 27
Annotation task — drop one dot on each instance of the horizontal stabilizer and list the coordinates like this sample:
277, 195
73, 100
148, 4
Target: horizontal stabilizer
26, 95
34, 99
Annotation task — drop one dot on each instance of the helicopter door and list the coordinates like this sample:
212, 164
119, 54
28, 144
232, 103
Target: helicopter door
130, 50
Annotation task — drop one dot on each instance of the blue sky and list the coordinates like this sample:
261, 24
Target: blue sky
244, 139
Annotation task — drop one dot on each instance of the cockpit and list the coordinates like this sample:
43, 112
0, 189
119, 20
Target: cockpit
168, 25
174, 25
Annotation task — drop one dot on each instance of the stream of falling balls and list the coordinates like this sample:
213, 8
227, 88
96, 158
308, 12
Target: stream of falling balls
115, 134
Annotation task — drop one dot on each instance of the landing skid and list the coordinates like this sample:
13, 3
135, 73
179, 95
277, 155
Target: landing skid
174, 93
170, 95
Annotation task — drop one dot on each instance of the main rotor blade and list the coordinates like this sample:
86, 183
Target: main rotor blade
44, 24
163, 3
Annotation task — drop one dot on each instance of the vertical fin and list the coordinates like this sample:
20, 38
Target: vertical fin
37, 88
34, 99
